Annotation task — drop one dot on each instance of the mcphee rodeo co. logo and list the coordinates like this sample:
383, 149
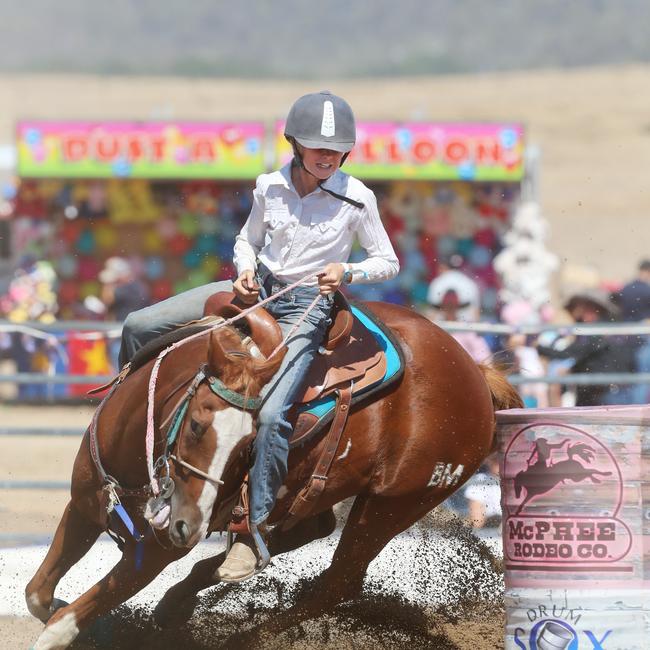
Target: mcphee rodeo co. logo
544, 464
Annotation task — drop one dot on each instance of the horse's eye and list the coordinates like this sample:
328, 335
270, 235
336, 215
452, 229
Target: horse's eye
197, 428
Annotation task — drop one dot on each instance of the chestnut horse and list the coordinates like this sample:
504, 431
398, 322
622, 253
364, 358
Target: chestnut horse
400, 456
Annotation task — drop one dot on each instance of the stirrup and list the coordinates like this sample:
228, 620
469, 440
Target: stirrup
262, 550
241, 524
263, 554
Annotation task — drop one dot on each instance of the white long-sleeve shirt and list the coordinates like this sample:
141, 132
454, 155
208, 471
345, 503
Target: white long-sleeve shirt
294, 236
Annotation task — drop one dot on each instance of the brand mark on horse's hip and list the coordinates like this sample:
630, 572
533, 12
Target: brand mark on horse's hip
444, 476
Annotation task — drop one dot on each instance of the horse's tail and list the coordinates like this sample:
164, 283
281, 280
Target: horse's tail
504, 394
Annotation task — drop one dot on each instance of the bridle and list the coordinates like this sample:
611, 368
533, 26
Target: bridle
179, 414
173, 436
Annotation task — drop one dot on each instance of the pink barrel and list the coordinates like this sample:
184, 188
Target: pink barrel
575, 493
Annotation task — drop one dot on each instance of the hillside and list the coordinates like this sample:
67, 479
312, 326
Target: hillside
338, 38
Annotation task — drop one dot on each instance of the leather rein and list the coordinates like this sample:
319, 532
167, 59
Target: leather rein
175, 420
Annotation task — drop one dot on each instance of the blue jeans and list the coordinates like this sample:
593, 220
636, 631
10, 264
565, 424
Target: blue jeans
271, 445
146, 324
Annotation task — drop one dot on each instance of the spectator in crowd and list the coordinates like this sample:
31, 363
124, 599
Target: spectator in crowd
483, 494
121, 292
451, 277
634, 302
519, 355
523, 359
594, 354
634, 298
449, 308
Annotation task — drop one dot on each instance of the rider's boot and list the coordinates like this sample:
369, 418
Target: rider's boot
241, 561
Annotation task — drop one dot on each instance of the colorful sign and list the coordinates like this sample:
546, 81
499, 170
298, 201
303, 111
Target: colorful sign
441, 151
140, 150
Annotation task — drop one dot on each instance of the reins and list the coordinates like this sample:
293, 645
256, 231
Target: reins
150, 435
163, 487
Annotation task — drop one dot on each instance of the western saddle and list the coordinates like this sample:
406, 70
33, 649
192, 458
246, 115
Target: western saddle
350, 359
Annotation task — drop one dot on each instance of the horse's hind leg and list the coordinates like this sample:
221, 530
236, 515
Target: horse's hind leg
123, 581
372, 523
74, 536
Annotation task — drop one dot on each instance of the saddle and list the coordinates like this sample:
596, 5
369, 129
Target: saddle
350, 355
351, 361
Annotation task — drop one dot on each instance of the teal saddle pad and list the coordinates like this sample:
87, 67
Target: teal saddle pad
323, 408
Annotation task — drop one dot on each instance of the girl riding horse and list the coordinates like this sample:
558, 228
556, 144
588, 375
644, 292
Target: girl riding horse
304, 220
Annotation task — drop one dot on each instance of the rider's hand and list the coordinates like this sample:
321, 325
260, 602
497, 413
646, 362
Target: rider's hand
246, 288
330, 280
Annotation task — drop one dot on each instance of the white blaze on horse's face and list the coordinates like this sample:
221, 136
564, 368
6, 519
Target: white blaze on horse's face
231, 425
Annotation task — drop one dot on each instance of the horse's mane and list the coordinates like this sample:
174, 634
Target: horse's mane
240, 375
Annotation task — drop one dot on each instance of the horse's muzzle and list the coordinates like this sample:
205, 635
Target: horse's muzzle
180, 533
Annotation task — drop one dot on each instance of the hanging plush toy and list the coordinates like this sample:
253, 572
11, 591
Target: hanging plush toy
525, 265
31, 295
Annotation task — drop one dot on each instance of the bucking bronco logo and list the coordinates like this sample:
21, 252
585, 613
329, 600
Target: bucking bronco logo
544, 474
563, 491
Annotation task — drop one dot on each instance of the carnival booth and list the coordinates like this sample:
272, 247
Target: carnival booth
171, 197
442, 189
168, 197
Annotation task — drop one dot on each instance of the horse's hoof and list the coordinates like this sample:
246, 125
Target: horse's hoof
55, 605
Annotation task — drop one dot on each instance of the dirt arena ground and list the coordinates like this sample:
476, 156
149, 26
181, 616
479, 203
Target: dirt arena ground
472, 617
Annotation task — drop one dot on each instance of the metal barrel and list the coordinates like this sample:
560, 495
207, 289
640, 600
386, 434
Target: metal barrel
575, 494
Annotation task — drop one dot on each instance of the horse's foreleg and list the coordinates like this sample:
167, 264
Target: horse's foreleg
123, 581
179, 601
74, 536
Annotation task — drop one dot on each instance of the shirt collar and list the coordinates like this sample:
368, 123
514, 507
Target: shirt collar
335, 182
283, 177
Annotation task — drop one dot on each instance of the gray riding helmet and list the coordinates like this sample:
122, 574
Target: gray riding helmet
321, 121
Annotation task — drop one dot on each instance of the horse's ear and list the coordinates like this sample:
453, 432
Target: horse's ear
218, 358
265, 369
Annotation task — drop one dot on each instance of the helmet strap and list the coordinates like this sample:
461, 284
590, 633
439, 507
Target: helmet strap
298, 161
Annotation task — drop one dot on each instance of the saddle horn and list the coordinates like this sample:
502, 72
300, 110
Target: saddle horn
263, 327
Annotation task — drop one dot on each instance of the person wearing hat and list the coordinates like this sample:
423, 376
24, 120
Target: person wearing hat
593, 354
304, 219
451, 277
474, 344
121, 293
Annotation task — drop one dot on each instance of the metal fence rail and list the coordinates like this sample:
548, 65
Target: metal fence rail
57, 334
